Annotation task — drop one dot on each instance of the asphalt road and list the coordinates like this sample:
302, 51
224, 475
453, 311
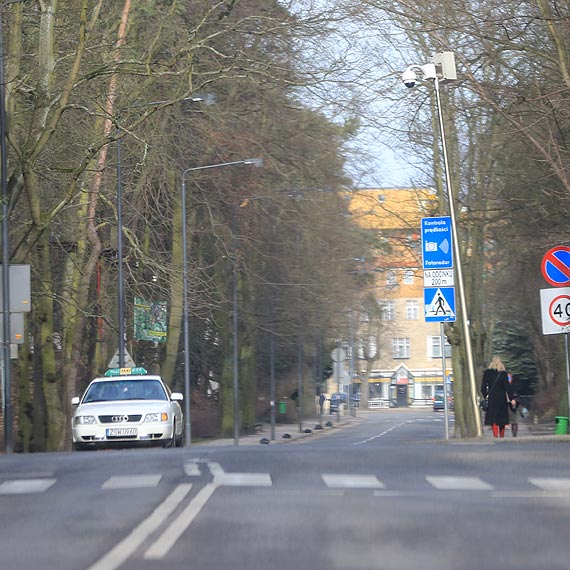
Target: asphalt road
386, 493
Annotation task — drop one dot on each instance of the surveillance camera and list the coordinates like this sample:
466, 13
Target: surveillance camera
409, 78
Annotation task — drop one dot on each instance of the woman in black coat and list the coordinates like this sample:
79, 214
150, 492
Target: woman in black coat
496, 385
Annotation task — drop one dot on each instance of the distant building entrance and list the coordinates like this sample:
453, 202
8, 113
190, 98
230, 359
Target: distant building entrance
402, 396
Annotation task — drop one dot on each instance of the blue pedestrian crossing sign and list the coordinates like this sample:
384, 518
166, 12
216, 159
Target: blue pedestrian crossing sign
437, 251
439, 304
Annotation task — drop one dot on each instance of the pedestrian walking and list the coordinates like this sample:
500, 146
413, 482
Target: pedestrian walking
516, 409
495, 386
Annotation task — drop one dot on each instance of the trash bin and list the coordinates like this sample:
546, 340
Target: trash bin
561, 427
283, 408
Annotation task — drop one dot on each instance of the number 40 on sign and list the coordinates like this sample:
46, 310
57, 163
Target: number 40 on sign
555, 310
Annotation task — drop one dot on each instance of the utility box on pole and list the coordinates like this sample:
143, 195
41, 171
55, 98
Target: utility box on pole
445, 65
20, 289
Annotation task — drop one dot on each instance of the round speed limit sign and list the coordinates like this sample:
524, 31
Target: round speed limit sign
559, 310
555, 310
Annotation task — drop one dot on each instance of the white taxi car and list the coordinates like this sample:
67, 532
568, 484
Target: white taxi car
127, 407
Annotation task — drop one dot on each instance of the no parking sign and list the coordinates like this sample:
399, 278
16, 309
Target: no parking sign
555, 266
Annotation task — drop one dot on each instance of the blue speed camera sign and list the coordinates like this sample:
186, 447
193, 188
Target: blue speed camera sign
437, 251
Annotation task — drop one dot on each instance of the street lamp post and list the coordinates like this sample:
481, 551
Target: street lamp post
6, 371
257, 162
442, 70
206, 98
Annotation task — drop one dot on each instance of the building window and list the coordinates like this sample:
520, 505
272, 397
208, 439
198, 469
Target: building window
372, 347
391, 280
408, 277
367, 348
434, 347
401, 347
412, 310
375, 390
388, 310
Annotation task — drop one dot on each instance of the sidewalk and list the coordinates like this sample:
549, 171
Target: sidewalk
284, 432
529, 431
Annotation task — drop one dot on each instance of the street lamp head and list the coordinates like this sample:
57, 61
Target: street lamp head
257, 162
206, 98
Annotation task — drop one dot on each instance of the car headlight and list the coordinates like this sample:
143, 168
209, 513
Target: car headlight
85, 420
156, 417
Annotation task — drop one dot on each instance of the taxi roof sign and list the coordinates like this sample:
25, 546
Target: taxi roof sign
138, 371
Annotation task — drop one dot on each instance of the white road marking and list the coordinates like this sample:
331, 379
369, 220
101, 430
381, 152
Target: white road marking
24, 486
192, 469
117, 555
238, 479
382, 434
352, 482
243, 480
551, 484
131, 481
459, 483
162, 545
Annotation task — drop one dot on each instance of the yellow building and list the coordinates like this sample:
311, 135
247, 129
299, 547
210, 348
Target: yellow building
402, 358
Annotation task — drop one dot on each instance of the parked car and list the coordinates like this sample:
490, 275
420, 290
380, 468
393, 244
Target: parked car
355, 400
127, 407
438, 401
336, 400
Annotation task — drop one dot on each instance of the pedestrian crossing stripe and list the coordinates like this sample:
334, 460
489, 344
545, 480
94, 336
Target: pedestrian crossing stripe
132, 481
439, 304
25, 486
333, 481
551, 484
338, 482
450, 483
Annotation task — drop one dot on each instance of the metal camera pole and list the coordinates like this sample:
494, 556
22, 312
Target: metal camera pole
457, 253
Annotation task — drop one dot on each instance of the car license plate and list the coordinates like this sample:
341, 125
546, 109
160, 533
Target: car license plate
121, 432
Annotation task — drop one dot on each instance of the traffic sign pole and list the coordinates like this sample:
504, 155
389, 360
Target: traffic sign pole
567, 371
338, 356
438, 253
443, 375
555, 303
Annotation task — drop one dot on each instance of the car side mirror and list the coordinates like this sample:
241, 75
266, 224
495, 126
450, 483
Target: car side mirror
176, 396
75, 401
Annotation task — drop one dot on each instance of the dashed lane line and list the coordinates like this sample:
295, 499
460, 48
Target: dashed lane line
381, 434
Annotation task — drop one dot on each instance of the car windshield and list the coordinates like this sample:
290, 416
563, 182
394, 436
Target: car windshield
111, 390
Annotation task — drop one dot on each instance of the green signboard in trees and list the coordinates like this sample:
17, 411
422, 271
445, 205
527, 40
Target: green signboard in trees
151, 320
